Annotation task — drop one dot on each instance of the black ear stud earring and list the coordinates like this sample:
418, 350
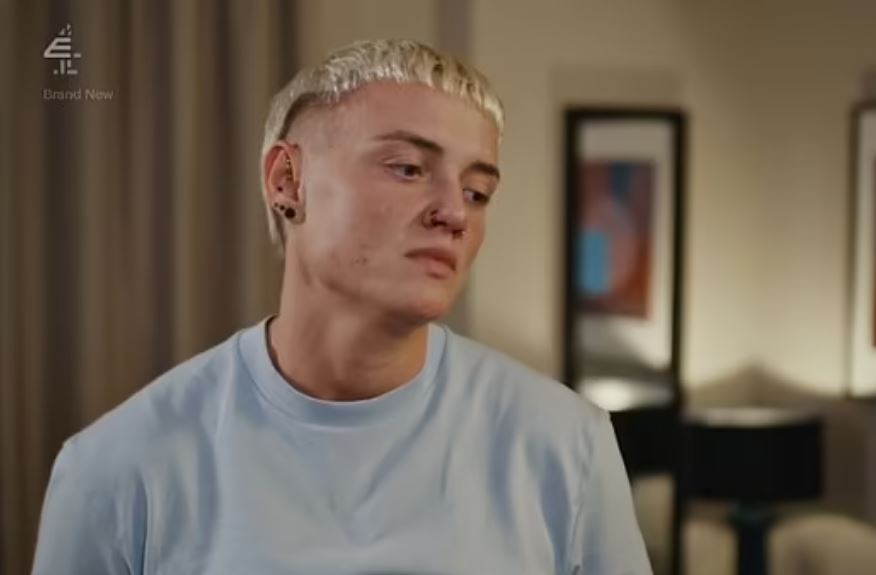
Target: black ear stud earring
287, 211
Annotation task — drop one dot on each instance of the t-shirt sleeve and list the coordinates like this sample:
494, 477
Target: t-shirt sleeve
605, 538
86, 519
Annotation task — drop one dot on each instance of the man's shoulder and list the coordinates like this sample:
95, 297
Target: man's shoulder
175, 408
507, 387
528, 426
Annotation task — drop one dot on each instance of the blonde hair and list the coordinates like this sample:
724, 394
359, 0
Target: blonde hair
350, 67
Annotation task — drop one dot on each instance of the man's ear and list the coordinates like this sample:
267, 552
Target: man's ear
282, 169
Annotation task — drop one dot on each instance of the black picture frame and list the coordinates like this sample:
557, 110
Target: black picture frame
673, 122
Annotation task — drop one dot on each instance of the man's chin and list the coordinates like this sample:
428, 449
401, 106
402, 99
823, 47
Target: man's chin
421, 304
432, 311
425, 310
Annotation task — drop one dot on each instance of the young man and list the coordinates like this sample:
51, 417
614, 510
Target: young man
350, 434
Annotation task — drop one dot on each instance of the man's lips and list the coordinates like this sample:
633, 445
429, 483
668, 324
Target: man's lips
442, 255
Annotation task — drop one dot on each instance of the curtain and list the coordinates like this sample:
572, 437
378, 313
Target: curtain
132, 234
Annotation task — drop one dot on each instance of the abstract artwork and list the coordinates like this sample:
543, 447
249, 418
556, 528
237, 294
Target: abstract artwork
614, 236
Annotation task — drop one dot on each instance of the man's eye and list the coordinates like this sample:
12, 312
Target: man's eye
478, 197
407, 171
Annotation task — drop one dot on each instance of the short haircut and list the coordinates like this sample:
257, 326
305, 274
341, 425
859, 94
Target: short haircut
352, 66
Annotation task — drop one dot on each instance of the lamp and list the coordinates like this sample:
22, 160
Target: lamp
754, 457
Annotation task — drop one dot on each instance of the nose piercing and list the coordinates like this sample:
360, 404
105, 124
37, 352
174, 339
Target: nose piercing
432, 217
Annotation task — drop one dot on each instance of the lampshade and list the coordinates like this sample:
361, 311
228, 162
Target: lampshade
754, 455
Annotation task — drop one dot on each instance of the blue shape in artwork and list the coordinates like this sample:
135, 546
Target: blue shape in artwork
593, 263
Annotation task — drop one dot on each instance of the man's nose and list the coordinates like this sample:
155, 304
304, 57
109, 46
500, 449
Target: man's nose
448, 209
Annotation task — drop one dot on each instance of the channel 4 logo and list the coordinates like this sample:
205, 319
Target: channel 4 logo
61, 49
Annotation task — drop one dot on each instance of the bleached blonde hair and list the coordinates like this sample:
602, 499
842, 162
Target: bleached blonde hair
352, 66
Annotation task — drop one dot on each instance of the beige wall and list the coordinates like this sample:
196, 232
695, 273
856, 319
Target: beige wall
527, 49
805, 84
768, 92
329, 24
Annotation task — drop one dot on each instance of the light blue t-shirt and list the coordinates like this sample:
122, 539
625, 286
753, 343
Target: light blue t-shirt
477, 466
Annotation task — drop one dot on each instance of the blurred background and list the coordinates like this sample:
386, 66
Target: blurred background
132, 234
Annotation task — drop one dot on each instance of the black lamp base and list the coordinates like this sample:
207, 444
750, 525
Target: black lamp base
752, 524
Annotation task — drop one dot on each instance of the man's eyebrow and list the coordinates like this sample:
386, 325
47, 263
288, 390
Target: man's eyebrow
436, 148
413, 139
485, 168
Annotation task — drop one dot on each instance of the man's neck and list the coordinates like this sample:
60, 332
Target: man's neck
334, 357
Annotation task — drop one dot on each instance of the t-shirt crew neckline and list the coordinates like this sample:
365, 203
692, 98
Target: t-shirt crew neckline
274, 387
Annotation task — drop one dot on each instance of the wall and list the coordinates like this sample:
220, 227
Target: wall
329, 24
768, 92
812, 66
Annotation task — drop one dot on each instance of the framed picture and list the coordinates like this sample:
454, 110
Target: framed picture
862, 364
624, 221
